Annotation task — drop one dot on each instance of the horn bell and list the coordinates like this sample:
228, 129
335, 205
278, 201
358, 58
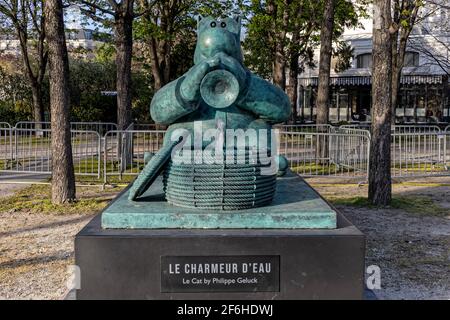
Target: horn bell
219, 89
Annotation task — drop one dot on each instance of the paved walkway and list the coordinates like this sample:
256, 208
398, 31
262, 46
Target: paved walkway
12, 182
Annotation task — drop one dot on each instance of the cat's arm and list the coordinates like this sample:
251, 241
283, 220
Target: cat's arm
265, 100
168, 105
180, 97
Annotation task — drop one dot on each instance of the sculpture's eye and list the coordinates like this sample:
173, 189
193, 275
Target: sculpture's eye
223, 25
213, 24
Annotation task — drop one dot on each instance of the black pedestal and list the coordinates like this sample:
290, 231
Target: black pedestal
238, 263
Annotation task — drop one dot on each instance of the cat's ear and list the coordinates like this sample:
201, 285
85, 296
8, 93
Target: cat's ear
199, 18
238, 20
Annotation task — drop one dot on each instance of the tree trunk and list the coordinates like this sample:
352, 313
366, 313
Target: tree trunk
160, 60
380, 189
156, 71
160, 47
63, 178
323, 90
279, 63
38, 105
396, 74
395, 60
294, 55
398, 58
326, 37
293, 87
124, 47
35, 84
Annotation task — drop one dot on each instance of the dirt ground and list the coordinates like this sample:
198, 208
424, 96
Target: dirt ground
412, 249
37, 248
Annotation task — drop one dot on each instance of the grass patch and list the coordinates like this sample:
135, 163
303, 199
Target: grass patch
112, 168
418, 167
112, 180
37, 199
417, 205
319, 169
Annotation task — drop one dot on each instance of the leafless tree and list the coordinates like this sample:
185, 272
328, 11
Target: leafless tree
27, 19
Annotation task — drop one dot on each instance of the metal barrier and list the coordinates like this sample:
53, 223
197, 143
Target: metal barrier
31, 152
33, 125
401, 128
100, 127
416, 129
149, 126
138, 142
87, 152
447, 148
361, 126
347, 154
6, 136
310, 149
419, 154
324, 128
351, 130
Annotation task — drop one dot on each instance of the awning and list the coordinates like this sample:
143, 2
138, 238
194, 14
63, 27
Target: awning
367, 80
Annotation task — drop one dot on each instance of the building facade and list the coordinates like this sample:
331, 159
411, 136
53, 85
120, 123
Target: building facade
80, 35
424, 84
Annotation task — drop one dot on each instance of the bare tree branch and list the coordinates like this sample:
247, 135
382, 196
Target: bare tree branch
93, 5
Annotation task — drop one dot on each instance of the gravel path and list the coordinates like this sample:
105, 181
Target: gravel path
35, 251
8, 189
412, 251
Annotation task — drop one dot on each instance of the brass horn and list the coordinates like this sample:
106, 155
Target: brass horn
219, 88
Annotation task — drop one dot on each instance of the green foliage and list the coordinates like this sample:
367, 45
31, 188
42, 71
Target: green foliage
217, 8
15, 96
169, 31
305, 18
258, 53
343, 54
87, 81
105, 53
142, 94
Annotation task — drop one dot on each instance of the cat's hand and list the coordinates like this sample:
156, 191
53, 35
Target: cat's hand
190, 87
235, 67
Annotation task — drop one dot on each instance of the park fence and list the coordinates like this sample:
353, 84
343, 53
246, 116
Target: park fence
100, 127
104, 154
329, 154
125, 151
26, 148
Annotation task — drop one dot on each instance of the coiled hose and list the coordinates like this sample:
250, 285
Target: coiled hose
222, 186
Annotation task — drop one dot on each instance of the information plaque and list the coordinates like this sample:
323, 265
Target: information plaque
220, 273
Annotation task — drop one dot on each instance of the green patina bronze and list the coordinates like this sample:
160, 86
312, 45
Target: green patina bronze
295, 206
219, 93
256, 103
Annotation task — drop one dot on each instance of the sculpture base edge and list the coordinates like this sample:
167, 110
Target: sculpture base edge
295, 206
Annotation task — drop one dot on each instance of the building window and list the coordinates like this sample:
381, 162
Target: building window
364, 61
411, 59
87, 34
